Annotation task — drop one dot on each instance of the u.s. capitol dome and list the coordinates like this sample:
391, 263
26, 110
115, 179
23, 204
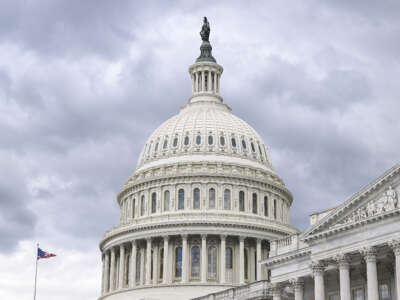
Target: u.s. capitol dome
198, 213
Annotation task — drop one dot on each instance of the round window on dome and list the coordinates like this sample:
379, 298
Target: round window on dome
222, 141
233, 141
210, 140
252, 147
244, 144
198, 140
186, 141
175, 142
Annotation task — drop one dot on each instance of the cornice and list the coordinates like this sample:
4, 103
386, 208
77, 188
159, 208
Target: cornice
285, 257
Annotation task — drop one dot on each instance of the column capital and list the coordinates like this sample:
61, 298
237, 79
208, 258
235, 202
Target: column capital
203, 236
369, 254
242, 238
184, 236
133, 242
395, 245
148, 239
297, 283
318, 267
276, 289
258, 240
112, 250
343, 260
223, 236
166, 238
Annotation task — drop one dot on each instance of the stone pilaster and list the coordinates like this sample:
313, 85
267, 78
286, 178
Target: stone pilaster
369, 254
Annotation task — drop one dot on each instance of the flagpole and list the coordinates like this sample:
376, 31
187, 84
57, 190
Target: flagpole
34, 291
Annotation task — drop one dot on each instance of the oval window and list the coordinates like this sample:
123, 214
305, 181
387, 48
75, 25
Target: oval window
186, 141
198, 140
222, 141
210, 140
233, 142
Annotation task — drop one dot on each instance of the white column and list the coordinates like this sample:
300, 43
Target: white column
121, 266
344, 276
215, 82
107, 272
184, 258
142, 266
223, 259
258, 259
276, 292
241, 259
203, 258
132, 266
155, 264
395, 245
148, 261
103, 271
298, 287
193, 81
319, 286
165, 259
112, 270
202, 81
372, 276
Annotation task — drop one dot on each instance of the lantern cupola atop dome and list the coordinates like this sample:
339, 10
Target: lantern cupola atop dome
205, 73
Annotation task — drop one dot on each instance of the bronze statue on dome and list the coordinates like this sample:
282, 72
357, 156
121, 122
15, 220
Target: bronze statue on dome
205, 30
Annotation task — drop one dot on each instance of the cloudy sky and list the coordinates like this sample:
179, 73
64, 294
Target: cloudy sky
84, 83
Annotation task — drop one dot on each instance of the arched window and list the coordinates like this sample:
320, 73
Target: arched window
254, 203
181, 199
195, 261
161, 260
266, 206
138, 265
246, 264
142, 206
198, 140
212, 262
165, 145
210, 140
222, 141
211, 198
241, 201
153, 203
244, 144
259, 150
133, 207
175, 142
166, 201
252, 147
229, 258
186, 140
196, 198
275, 209
149, 148
156, 147
151, 264
178, 262
233, 141
227, 199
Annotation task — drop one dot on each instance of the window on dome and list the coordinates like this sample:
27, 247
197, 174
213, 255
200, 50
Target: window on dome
181, 199
252, 147
195, 261
186, 141
142, 206
222, 141
227, 199
246, 264
275, 209
138, 265
161, 258
212, 263
178, 262
166, 201
212, 81
156, 147
244, 144
133, 208
149, 149
206, 81
233, 141
211, 198
241, 201
229, 258
198, 140
153, 203
259, 149
175, 142
266, 206
210, 140
165, 145
254, 203
196, 198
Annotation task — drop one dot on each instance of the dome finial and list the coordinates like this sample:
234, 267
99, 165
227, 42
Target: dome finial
205, 48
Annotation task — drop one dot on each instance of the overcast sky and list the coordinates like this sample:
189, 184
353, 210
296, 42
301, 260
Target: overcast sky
84, 83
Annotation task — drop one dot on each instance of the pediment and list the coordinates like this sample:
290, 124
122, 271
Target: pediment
379, 199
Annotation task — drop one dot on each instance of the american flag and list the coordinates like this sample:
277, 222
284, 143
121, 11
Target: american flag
44, 254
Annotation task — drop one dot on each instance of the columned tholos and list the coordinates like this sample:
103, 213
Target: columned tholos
319, 286
372, 275
107, 272
258, 259
121, 266
395, 245
132, 266
165, 259
223, 260
184, 259
344, 276
298, 287
203, 258
148, 261
241, 259
112, 271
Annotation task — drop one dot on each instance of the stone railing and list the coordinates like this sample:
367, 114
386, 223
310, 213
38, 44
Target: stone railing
256, 290
286, 244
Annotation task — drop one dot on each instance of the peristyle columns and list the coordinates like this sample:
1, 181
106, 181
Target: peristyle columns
372, 275
121, 266
148, 261
184, 258
241, 259
165, 259
203, 259
298, 287
112, 271
395, 245
344, 274
132, 266
319, 286
106, 272
223, 259
258, 260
